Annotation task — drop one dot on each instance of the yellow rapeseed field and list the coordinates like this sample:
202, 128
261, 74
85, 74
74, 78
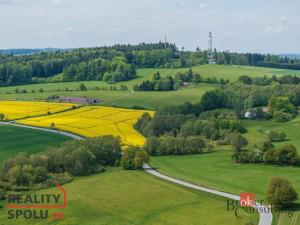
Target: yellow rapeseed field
13, 110
91, 121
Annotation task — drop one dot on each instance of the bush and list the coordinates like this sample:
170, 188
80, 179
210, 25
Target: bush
20, 188
142, 122
280, 193
238, 141
61, 178
107, 149
5, 186
82, 87
163, 124
158, 83
40, 174
269, 156
286, 155
276, 136
282, 117
133, 158
168, 145
137, 107
2, 194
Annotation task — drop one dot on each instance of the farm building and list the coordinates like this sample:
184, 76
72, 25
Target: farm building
266, 109
251, 114
83, 100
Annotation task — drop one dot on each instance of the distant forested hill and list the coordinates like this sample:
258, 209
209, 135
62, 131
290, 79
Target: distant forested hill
115, 63
26, 51
292, 55
110, 64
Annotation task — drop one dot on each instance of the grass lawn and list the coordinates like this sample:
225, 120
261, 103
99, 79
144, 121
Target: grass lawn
149, 100
217, 170
227, 72
154, 100
119, 197
14, 140
257, 131
127, 99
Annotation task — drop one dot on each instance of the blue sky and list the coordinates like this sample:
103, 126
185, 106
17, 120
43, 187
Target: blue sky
270, 26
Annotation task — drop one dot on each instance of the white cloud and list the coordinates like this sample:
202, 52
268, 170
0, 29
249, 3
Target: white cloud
4, 2
117, 30
274, 29
202, 6
278, 26
36, 14
30, 3
12, 2
183, 4
282, 19
231, 34
193, 5
59, 2
72, 29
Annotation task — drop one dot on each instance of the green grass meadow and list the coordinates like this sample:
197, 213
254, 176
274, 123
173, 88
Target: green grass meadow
119, 197
149, 100
258, 131
14, 140
217, 170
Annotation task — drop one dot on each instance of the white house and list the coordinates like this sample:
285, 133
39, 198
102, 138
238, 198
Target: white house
250, 114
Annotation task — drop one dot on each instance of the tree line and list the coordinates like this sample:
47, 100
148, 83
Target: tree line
74, 158
178, 134
254, 59
115, 63
171, 83
99, 69
118, 62
264, 81
282, 101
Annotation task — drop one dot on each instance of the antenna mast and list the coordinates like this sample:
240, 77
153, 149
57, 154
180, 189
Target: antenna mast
210, 55
165, 41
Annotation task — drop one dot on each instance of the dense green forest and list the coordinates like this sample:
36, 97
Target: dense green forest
118, 63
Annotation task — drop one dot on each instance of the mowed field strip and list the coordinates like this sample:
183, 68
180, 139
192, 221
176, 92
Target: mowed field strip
92, 121
14, 110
